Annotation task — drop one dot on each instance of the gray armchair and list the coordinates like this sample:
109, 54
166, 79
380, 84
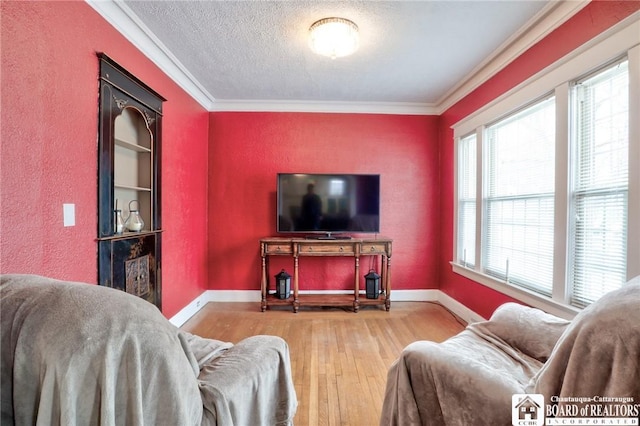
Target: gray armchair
470, 379
83, 354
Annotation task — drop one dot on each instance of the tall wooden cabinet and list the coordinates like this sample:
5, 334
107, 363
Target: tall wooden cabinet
129, 136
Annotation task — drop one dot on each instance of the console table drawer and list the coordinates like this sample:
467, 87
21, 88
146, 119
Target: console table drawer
374, 248
326, 248
273, 248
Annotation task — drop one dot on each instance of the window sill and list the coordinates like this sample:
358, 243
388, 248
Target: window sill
525, 296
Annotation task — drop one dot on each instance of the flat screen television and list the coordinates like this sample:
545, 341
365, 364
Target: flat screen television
328, 205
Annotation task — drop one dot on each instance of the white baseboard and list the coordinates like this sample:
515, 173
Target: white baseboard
213, 296
190, 310
235, 295
254, 296
458, 308
414, 295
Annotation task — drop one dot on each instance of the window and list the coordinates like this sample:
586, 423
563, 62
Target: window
467, 158
548, 180
337, 187
600, 183
518, 235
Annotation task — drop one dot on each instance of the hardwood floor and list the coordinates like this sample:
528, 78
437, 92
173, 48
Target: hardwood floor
339, 358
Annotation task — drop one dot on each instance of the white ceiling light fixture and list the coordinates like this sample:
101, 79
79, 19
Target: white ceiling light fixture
334, 37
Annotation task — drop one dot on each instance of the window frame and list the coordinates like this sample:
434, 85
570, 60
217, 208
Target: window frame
619, 41
590, 192
488, 199
463, 259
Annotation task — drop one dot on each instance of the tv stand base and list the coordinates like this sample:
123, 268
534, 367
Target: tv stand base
328, 237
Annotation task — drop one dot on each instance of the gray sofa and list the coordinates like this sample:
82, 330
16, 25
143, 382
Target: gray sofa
471, 378
74, 353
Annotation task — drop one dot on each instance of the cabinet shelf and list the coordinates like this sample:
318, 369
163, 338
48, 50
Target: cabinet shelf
131, 187
131, 145
129, 234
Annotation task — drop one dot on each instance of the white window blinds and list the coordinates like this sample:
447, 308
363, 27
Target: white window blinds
466, 242
519, 197
600, 184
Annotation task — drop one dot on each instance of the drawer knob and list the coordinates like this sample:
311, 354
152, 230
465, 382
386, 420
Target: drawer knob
278, 248
341, 249
310, 248
373, 248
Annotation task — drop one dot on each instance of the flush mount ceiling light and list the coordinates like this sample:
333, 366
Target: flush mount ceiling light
333, 37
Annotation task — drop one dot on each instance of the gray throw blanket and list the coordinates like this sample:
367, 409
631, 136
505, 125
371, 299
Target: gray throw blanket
599, 354
470, 378
75, 353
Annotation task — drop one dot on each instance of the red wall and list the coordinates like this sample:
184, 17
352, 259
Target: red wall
248, 150
586, 24
49, 149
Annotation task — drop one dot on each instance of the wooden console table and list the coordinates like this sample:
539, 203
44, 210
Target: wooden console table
298, 247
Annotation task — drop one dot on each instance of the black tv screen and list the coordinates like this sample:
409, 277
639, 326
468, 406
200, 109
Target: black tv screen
328, 203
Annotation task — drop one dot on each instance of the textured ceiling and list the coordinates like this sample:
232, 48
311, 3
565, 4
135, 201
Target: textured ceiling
411, 52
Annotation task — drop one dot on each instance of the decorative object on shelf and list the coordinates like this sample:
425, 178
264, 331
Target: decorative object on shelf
372, 284
334, 37
283, 285
134, 220
119, 222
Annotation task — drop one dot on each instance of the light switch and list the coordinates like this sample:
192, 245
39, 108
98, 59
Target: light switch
69, 214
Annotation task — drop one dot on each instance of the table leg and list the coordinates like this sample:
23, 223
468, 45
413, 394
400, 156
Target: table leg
263, 284
387, 300
296, 300
356, 289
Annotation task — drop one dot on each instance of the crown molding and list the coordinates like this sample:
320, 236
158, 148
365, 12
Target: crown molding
544, 22
599, 50
122, 18
398, 108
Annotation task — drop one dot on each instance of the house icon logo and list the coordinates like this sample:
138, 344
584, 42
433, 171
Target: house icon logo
527, 410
